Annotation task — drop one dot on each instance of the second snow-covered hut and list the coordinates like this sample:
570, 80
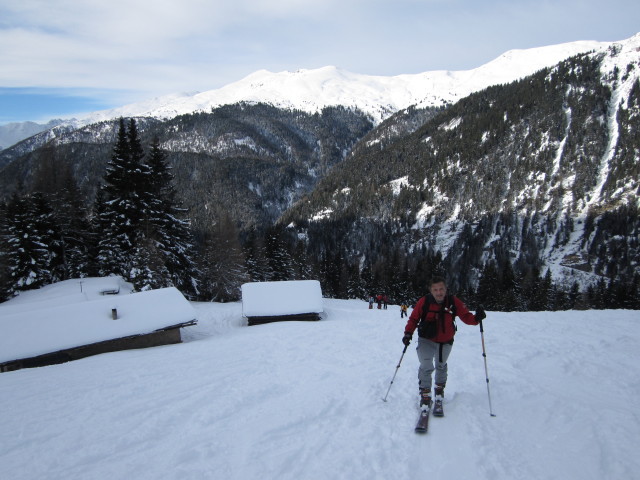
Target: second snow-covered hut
264, 302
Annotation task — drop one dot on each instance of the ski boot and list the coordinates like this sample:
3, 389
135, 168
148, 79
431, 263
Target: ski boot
425, 399
438, 410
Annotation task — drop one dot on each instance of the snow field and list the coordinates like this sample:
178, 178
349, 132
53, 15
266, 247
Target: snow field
303, 400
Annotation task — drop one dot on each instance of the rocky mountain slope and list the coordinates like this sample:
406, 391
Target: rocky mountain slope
539, 173
247, 161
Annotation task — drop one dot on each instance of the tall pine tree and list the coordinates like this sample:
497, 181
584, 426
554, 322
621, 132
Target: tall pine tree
167, 224
120, 211
223, 264
143, 235
28, 233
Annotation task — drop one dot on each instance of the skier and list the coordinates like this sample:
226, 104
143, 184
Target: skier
434, 316
403, 310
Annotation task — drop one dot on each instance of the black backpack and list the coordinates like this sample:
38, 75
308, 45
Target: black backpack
429, 329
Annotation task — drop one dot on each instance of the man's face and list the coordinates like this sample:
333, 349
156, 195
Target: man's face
439, 291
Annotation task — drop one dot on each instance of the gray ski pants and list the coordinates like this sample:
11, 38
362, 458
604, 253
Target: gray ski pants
430, 360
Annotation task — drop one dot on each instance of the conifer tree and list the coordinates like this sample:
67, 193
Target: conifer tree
5, 284
148, 269
531, 290
574, 297
144, 237
223, 268
547, 292
167, 224
74, 230
44, 228
27, 236
277, 254
123, 211
355, 285
119, 218
508, 290
366, 280
303, 269
255, 261
487, 287
100, 241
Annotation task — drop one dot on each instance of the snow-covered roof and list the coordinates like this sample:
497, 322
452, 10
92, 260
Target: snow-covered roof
292, 297
71, 314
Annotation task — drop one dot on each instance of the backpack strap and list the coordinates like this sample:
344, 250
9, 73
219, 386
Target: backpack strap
428, 301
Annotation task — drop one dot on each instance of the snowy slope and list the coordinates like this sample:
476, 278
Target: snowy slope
312, 90
13, 132
300, 401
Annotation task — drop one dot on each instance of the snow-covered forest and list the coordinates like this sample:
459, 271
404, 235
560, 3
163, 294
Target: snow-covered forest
137, 228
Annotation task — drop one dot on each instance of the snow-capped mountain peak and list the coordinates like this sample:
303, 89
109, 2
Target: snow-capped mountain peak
379, 96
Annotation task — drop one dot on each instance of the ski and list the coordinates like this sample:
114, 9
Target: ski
438, 411
423, 422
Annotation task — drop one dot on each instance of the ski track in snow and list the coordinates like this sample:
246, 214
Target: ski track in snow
303, 400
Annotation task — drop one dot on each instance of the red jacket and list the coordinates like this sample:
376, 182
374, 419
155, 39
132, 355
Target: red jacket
441, 314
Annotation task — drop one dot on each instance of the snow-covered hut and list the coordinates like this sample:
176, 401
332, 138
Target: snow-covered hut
264, 302
76, 319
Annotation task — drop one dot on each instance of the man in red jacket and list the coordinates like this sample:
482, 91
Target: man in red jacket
434, 317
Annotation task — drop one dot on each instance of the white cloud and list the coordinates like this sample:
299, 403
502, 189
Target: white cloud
163, 46
97, 43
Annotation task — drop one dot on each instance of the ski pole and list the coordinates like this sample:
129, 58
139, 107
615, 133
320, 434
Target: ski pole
396, 372
486, 371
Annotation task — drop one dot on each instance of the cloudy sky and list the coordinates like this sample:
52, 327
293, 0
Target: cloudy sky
60, 57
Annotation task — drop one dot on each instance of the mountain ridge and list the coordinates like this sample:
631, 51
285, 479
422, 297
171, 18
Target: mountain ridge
379, 96
311, 90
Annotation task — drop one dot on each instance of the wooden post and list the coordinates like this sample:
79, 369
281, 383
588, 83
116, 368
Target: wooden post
114, 313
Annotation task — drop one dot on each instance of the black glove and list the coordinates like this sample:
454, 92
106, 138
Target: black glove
480, 315
407, 338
